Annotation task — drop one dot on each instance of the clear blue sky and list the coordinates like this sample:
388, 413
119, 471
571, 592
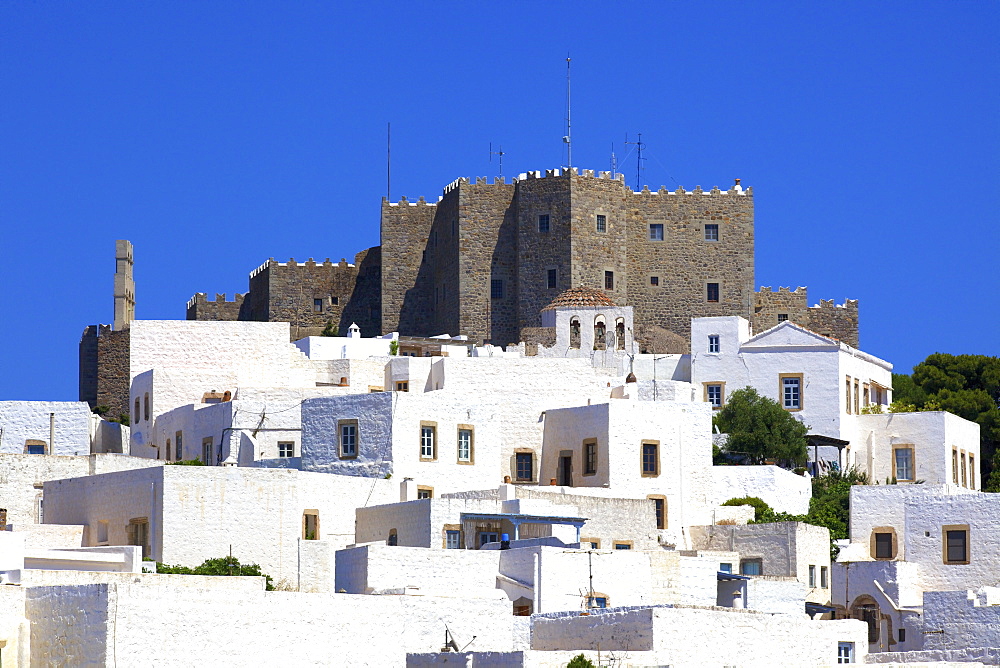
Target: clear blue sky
215, 135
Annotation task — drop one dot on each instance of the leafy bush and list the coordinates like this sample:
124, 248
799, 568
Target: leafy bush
330, 329
761, 511
394, 347
220, 566
580, 661
188, 462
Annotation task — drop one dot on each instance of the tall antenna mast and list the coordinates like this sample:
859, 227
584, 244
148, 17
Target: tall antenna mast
568, 139
388, 161
639, 145
614, 162
499, 152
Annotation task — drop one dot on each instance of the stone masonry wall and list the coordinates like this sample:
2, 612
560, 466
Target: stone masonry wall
364, 306
104, 369
838, 321
200, 307
405, 230
685, 262
291, 289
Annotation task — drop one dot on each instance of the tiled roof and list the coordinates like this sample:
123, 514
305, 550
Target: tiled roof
580, 297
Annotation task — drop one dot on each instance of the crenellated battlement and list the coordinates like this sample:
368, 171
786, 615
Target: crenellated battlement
200, 298
310, 263
403, 201
769, 289
849, 304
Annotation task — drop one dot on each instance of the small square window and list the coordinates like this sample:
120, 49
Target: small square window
782, 317
656, 231
402, 386
712, 232
286, 449
425, 492
751, 567
602, 223
496, 288
725, 568
845, 652
712, 292
713, 394
334, 300
713, 343
550, 278
35, 449
609, 280
956, 547
654, 280
318, 305
597, 601
452, 540
543, 222
623, 546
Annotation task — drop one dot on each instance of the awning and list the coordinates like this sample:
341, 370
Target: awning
723, 576
813, 609
817, 440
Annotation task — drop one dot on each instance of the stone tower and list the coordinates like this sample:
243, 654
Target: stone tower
124, 285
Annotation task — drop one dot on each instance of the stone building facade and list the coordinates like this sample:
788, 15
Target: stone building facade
838, 321
488, 257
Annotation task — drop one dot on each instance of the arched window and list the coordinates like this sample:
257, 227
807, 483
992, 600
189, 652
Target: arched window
393, 538
600, 333
574, 332
620, 334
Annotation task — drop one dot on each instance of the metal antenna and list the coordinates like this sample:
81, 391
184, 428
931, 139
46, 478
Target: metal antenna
499, 152
388, 161
568, 139
639, 145
614, 162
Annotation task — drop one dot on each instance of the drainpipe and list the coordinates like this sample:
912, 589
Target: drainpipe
538, 582
52, 432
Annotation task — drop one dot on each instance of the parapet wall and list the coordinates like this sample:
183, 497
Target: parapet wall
200, 307
838, 321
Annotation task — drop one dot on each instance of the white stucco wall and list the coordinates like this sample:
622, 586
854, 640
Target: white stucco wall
23, 420
391, 569
126, 625
197, 513
783, 490
759, 361
933, 435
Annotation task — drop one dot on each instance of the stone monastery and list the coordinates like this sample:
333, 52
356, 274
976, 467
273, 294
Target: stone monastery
489, 442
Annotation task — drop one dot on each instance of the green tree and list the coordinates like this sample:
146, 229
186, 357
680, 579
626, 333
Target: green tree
580, 661
966, 385
761, 429
220, 566
330, 329
394, 347
762, 512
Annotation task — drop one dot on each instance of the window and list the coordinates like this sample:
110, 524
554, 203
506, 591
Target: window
883, 545
402, 386
713, 343
751, 567
393, 538
654, 281
965, 480
972, 471
179, 444
902, 635
550, 278
956, 543
812, 575
650, 459
318, 305
656, 231
207, 451
524, 466
488, 537
609, 280
543, 222
177, 455
725, 568
425, 492
452, 540
857, 400
596, 601
102, 531
903, 462
334, 300
145, 406
286, 449
138, 534
310, 524
824, 577
590, 543
791, 391
847, 394
712, 292
782, 317
136, 415
713, 394
428, 441
623, 545
465, 444
34, 447
712, 232
954, 465
660, 510
496, 288
590, 457
845, 652
348, 438
602, 223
